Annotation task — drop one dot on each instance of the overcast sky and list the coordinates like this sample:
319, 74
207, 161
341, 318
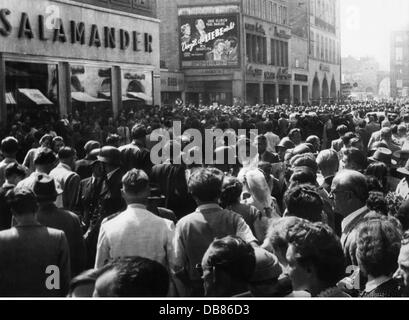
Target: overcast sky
366, 26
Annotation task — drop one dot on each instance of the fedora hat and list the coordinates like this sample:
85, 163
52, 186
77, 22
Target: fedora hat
383, 155
404, 170
286, 143
91, 145
110, 155
45, 187
401, 155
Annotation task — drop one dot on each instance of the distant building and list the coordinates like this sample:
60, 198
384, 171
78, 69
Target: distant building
363, 72
399, 72
253, 51
225, 52
325, 51
315, 50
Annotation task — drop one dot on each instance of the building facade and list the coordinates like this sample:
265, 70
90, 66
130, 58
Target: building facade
284, 51
324, 50
65, 56
236, 51
399, 66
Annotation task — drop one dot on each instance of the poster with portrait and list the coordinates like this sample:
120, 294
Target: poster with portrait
210, 41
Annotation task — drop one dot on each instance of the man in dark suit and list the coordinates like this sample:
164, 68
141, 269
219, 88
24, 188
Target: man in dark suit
135, 155
106, 202
14, 173
349, 191
29, 252
51, 216
83, 167
337, 145
264, 155
170, 178
88, 201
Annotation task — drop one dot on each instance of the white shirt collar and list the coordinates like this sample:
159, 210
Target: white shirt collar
375, 283
65, 166
137, 206
351, 218
208, 206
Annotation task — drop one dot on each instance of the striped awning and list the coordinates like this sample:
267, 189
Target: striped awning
10, 98
84, 97
140, 95
35, 96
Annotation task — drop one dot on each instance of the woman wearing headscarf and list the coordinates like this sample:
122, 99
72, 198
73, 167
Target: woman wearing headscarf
257, 193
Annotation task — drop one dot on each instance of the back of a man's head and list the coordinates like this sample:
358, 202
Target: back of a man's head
305, 160
133, 278
205, 185
22, 201
353, 181
138, 132
304, 202
341, 130
355, 159
66, 153
135, 182
328, 162
9, 146
45, 158
233, 256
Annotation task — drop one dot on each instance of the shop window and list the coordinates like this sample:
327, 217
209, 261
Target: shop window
136, 89
32, 91
91, 91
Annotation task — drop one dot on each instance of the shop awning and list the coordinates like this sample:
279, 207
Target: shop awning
107, 95
140, 95
35, 96
84, 97
10, 98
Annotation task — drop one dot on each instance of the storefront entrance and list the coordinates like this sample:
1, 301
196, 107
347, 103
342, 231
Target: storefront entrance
210, 92
253, 93
284, 93
270, 94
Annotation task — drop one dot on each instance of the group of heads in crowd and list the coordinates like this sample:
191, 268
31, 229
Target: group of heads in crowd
325, 197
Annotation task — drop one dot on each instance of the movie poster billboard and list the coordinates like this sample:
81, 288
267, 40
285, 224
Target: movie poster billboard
210, 40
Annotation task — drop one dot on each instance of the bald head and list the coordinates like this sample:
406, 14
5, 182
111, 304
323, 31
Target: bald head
354, 181
328, 162
350, 191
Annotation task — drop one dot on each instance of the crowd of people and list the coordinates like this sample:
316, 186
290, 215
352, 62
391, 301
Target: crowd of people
320, 208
